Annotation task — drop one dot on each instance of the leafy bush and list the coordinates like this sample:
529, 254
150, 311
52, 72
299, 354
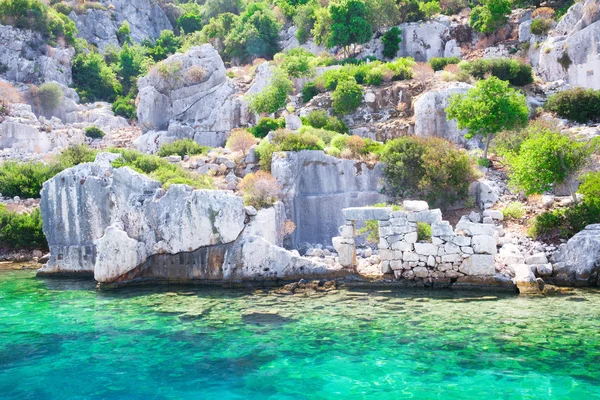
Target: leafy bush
266, 125
260, 189
323, 134
490, 15
545, 159
274, 96
309, 90
507, 69
431, 168
189, 22
24, 179
439, 63
297, 62
93, 79
22, 231
565, 223
75, 155
50, 95
286, 141
423, 232
541, 26
319, 119
578, 104
125, 107
124, 32
166, 44
346, 97
391, 42
509, 142
94, 132
514, 210
240, 140
410, 11
182, 148
430, 8
304, 19
590, 187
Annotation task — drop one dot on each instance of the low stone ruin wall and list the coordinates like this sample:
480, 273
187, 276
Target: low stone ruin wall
450, 254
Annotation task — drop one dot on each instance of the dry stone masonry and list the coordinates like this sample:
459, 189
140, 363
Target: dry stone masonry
468, 250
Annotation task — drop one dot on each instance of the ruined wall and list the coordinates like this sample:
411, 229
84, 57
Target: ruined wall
316, 187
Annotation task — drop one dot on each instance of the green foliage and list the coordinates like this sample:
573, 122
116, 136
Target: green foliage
507, 142
189, 22
423, 232
439, 63
490, 15
323, 134
75, 155
371, 228
391, 42
22, 231
166, 44
274, 96
590, 187
309, 90
94, 80
24, 179
545, 159
286, 141
50, 95
124, 33
430, 8
410, 11
37, 16
346, 97
348, 24
489, 108
94, 132
514, 210
578, 104
304, 19
541, 26
564, 223
320, 119
266, 125
125, 107
507, 69
182, 148
132, 62
430, 168
297, 62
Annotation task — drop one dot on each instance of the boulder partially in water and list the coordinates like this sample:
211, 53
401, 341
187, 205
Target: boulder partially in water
577, 263
121, 226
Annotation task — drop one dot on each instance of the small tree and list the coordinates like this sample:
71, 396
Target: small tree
346, 97
391, 41
50, 95
240, 140
274, 96
488, 108
349, 25
260, 189
124, 33
545, 159
491, 15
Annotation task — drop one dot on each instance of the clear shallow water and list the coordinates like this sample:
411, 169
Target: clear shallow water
64, 340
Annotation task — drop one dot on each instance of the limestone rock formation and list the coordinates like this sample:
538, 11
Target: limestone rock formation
317, 187
577, 263
99, 25
24, 57
431, 120
122, 227
188, 96
572, 50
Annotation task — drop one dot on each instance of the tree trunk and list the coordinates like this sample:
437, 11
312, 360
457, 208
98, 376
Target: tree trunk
488, 139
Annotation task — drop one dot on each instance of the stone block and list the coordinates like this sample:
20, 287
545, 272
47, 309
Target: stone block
450, 258
544, 269
398, 214
429, 216
431, 261
478, 265
346, 250
367, 213
441, 228
421, 272
396, 265
467, 250
346, 231
410, 256
461, 240
484, 244
427, 249
538, 258
494, 214
415, 205
411, 237
402, 246
451, 248
385, 267
473, 229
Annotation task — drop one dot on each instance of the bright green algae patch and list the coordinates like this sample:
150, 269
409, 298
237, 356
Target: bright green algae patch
63, 339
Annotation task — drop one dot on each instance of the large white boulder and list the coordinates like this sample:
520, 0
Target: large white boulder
577, 262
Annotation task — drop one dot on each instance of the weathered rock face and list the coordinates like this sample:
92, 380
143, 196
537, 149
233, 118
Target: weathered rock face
317, 187
25, 57
577, 263
572, 50
192, 99
431, 119
122, 227
99, 26
420, 40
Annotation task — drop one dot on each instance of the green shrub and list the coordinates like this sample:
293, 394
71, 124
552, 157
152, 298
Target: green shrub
346, 97
260, 190
430, 8
75, 155
433, 169
374, 77
309, 90
22, 231
297, 62
125, 107
323, 134
391, 42
319, 119
286, 141
124, 33
507, 69
514, 210
439, 63
50, 95
541, 26
423, 232
274, 96
182, 148
545, 159
410, 11
189, 22
24, 179
490, 15
266, 125
578, 104
564, 223
401, 68
94, 132
93, 79
590, 187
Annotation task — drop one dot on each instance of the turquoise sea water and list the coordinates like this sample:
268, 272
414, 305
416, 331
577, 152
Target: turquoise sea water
62, 339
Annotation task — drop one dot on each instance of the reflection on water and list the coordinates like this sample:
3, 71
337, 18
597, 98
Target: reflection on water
63, 339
